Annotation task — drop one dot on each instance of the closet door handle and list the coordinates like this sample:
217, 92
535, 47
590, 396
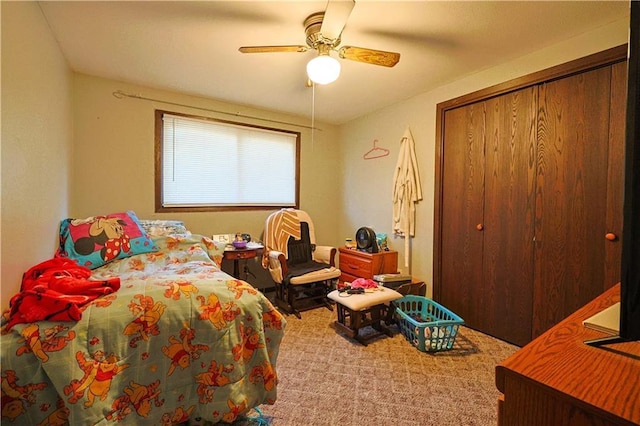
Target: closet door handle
479, 227
611, 236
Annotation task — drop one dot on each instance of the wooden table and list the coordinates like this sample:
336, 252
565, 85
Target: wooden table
236, 255
558, 380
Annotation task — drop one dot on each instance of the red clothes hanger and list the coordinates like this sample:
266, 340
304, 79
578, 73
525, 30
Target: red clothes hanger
375, 152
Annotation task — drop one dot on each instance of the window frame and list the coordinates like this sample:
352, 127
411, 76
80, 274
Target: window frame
158, 166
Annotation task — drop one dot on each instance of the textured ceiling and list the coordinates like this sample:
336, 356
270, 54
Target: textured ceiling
192, 47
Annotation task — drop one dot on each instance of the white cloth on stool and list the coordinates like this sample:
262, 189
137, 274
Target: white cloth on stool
358, 302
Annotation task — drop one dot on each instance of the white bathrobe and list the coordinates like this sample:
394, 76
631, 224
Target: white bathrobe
407, 191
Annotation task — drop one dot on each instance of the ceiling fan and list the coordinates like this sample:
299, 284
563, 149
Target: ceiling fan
323, 31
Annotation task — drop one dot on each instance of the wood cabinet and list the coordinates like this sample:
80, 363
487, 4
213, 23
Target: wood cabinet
558, 380
487, 200
579, 175
528, 186
359, 264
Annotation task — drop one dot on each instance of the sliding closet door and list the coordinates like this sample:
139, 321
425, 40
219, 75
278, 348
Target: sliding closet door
487, 214
509, 181
571, 202
462, 205
529, 196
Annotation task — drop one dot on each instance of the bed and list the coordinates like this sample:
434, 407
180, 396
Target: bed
179, 339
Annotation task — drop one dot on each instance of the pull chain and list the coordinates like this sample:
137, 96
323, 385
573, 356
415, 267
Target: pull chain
313, 114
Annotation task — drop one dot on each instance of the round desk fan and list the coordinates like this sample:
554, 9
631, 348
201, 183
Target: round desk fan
366, 240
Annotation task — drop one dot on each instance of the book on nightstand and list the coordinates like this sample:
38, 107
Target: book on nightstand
606, 321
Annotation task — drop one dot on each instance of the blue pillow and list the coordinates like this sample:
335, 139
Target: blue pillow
98, 240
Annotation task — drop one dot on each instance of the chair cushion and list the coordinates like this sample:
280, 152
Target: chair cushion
300, 251
358, 302
327, 273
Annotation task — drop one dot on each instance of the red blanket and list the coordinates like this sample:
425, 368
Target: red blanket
55, 290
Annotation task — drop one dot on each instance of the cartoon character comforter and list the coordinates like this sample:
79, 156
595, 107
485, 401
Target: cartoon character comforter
179, 339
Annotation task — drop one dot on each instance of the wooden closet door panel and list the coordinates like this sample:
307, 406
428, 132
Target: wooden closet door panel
615, 180
571, 194
506, 307
462, 205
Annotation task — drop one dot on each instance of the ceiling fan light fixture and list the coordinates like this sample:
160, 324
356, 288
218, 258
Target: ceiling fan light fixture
323, 69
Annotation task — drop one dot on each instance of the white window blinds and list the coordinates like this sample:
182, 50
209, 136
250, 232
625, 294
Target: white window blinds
207, 163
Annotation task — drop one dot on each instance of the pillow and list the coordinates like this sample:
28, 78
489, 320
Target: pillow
157, 228
98, 240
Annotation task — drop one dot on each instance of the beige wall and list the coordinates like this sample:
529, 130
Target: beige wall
114, 158
36, 142
367, 184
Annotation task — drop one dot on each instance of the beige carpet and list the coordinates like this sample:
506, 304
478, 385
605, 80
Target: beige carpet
329, 379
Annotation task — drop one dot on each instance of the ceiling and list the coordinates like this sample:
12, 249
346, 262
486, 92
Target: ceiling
192, 47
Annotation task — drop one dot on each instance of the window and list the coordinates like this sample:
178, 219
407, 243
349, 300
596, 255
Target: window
205, 165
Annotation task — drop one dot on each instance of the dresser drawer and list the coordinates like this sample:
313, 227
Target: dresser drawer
356, 266
347, 278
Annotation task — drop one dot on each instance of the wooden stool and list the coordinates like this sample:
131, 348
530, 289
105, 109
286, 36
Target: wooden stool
356, 311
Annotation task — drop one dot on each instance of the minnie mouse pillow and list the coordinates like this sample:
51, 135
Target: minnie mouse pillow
98, 240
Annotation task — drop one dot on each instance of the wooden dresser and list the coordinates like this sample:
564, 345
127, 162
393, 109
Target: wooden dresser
359, 264
558, 380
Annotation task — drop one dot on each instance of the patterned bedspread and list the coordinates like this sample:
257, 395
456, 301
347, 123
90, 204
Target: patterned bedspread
179, 339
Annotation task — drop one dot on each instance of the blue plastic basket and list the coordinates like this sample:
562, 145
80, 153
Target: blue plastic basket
427, 325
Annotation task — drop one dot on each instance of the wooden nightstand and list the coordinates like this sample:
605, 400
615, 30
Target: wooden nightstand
359, 264
240, 254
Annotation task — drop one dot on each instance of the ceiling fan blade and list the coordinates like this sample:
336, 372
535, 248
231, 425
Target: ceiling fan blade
269, 49
335, 18
369, 56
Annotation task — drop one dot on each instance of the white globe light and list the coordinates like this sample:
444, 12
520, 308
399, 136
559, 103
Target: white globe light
323, 69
